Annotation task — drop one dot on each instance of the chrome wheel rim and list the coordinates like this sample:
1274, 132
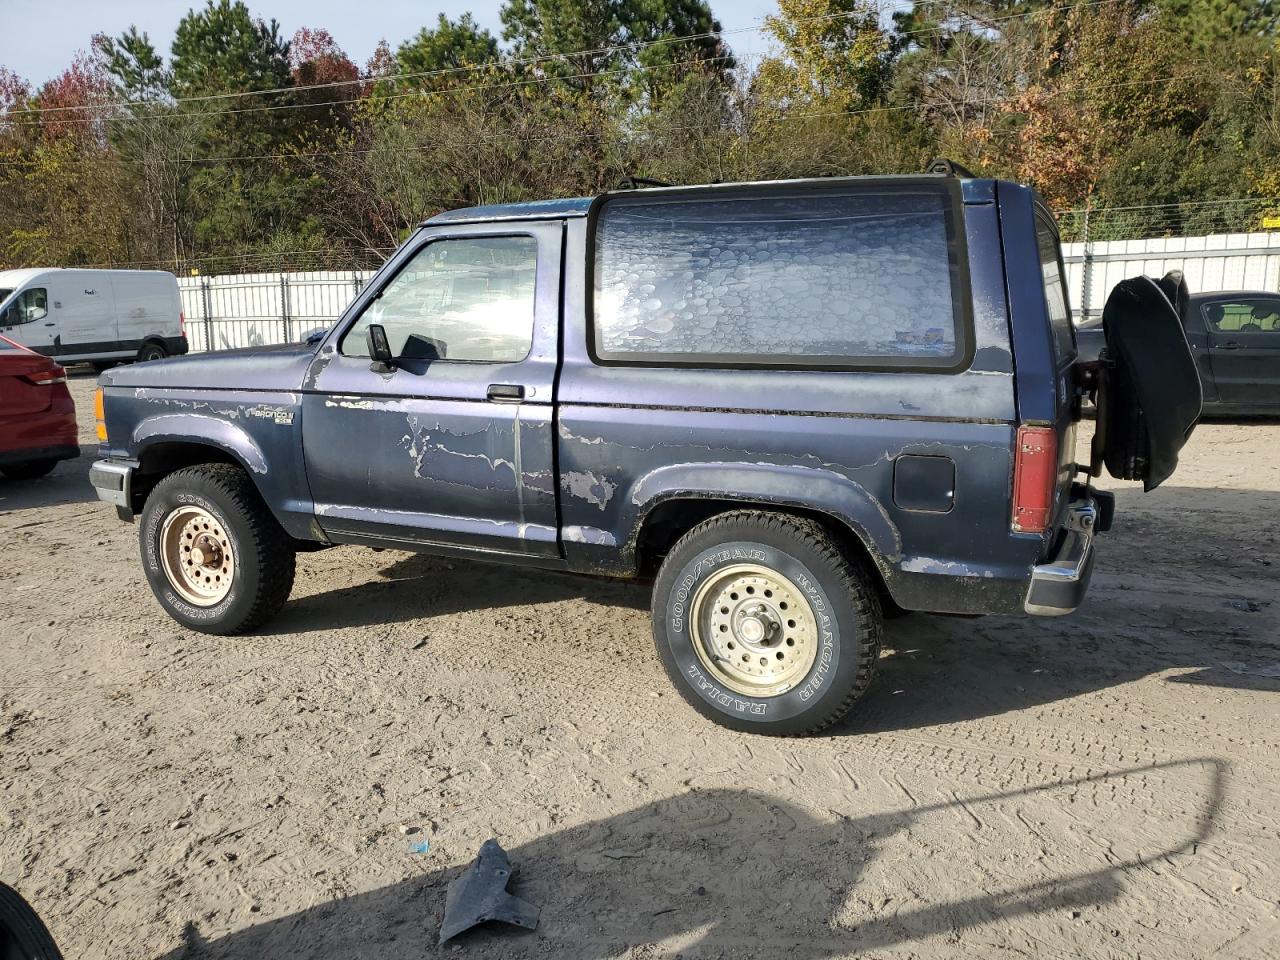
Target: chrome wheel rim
198, 559
753, 630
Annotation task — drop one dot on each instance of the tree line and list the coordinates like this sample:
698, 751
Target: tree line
243, 150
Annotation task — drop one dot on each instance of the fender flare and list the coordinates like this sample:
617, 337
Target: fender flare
198, 428
804, 488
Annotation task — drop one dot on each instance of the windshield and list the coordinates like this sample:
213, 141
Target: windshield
5, 294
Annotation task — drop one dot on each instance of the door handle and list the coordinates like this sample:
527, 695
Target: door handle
1230, 345
505, 392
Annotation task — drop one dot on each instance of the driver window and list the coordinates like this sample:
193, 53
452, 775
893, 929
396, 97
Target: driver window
27, 307
470, 298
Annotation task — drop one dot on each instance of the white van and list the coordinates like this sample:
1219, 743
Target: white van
93, 315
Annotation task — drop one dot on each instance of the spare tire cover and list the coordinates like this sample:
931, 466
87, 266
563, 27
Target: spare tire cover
1153, 392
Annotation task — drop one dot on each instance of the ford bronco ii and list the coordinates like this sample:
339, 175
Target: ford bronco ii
796, 406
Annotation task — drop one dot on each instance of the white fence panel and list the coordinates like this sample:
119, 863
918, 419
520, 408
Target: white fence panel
255, 309
1225, 261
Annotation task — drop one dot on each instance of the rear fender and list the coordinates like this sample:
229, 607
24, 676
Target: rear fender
762, 484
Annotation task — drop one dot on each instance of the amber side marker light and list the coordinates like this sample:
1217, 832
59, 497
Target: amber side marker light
1035, 466
100, 415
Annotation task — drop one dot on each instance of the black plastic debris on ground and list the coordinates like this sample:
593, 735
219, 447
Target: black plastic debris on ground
480, 895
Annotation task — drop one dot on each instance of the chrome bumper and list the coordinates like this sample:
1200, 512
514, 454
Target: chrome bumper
1058, 586
112, 480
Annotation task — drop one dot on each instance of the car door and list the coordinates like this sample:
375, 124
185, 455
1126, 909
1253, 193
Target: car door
27, 320
453, 445
1244, 349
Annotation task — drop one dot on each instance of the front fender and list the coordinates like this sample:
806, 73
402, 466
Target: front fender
807, 488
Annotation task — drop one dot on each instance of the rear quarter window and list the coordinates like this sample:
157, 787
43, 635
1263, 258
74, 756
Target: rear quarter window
866, 276
1055, 290
1243, 316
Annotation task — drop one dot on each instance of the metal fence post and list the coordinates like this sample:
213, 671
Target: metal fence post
206, 301
284, 308
1086, 296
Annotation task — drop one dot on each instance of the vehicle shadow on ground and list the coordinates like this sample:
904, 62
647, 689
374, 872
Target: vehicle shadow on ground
719, 872
68, 483
419, 586
1213, 617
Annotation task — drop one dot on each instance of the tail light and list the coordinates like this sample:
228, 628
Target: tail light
100, 415
45, 378
182, 324
1035, 468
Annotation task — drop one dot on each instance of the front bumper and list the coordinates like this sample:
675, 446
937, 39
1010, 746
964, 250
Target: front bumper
1058, 586
113, 481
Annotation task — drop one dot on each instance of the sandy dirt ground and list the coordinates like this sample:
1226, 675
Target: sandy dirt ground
1100, 786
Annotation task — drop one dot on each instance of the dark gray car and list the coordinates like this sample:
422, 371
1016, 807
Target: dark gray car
1234, 336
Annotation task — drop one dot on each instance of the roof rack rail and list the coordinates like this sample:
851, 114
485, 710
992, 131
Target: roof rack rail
635, 183
949, 168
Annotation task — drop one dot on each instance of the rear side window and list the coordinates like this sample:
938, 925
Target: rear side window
1244, 316
1055, 290
865, 276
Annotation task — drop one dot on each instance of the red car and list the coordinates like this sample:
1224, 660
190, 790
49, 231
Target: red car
37, 414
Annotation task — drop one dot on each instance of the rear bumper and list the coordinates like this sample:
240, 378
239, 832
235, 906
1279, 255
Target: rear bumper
62, 451
113, 481
1059, 585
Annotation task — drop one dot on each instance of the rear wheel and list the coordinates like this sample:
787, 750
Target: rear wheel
152, 350
764, 625
29, 470
216, 559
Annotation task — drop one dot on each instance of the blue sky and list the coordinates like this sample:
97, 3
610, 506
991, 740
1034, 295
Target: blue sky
39, 37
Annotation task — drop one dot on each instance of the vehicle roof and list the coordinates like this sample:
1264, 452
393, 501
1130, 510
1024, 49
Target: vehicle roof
15, 278
527, 210
581, 206
1219, 294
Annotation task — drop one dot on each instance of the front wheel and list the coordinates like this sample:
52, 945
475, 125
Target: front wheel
215, 557
764, 624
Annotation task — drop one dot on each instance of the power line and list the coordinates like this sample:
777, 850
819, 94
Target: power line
897, 108
416, 94
1172, 203
639, 44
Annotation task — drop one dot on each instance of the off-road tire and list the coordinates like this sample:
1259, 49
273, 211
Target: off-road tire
842, 598
264, 553
30, 470
23, 934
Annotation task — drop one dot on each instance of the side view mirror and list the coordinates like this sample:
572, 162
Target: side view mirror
379, 349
